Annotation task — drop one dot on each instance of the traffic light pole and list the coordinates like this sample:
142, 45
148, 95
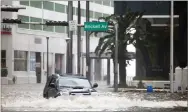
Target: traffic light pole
70, 35
79, 40
88, 74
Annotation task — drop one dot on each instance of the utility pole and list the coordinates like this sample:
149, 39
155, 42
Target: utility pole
187, 57
79, 40
47, 65
172, 48
70, 35
116, 59
88, 74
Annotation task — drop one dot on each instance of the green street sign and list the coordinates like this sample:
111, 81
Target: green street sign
95, 26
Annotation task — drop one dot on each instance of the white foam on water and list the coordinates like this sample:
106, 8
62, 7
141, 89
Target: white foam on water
103, 101
29, 97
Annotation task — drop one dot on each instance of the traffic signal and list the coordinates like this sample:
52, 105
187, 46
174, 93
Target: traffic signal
57, 23
18, 21
8, 8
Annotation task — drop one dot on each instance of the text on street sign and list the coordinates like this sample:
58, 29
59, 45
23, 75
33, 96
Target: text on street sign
95, 26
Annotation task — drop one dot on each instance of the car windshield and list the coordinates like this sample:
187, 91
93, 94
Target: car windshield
74, 82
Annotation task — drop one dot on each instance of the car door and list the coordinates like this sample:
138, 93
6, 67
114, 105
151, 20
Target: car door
52, 88
45, 91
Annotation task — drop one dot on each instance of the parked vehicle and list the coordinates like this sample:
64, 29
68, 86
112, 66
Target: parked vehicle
58, 85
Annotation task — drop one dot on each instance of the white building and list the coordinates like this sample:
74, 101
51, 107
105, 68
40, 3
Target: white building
26, 45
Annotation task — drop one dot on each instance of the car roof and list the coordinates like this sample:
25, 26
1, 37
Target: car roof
73, 76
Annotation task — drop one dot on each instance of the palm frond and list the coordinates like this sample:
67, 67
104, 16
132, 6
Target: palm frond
104, 44
101, 41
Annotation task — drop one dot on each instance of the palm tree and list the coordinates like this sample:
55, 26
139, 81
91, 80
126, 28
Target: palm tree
127, 22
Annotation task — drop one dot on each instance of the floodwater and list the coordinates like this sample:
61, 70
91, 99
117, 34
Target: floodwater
29, 97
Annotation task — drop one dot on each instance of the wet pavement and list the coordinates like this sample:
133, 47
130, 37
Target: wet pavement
28, 97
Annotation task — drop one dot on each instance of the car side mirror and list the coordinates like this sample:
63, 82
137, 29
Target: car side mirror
95, 85
52, 85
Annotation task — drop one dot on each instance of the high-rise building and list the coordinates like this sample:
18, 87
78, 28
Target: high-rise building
157, 64
24, 48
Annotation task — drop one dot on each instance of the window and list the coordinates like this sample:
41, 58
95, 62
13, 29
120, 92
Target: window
20, 60
60, 29
97, 15
24, 3
66, 9
3, 58
107, 3
83, 12
4, 70
105, 15
74, 11
91, 14
35, 27
36, 4
60, 8
48, 5
98, 2
48, 28
24, 19
32, 61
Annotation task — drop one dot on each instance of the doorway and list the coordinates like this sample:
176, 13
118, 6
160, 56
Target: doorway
58, 63
38, 67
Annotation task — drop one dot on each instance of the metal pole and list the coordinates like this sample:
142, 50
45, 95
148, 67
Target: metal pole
187, 56
70, 35
0, 54
116, 60
79, 40
47, 65
172, 48
108, 71
87, 45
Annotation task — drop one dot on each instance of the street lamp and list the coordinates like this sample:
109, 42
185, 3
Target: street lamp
47, 42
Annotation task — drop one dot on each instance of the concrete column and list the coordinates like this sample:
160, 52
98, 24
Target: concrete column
84, 66
74, 65
10, 57
43, 76
28, 66
92, 70
64, 63
98, 70
108, 71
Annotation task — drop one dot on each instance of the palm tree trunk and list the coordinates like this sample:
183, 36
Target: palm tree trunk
122, 66
122, 72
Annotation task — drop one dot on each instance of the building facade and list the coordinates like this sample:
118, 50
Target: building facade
24, 46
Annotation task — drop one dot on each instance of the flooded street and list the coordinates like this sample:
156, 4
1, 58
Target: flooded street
29, 97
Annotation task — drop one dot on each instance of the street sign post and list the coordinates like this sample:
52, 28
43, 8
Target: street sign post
72, 25
95, 26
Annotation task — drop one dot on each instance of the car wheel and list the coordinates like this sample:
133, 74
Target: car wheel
46, 96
